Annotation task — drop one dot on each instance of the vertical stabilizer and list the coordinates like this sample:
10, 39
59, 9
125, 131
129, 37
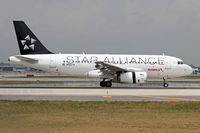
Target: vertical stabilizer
27, 41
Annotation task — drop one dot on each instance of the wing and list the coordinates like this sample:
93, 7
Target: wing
109, 70
108, 67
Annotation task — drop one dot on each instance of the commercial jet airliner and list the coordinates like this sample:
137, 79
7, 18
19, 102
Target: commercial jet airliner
108, 67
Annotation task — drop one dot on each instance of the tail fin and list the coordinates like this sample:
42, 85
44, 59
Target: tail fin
27, 41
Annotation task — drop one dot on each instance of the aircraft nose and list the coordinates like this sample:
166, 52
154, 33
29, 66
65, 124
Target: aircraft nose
188, 70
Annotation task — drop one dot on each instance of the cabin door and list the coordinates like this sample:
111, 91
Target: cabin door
52, 63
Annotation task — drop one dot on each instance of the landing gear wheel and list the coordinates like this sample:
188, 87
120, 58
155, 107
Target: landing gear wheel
165, 84
105, 83
108, 84
102, 83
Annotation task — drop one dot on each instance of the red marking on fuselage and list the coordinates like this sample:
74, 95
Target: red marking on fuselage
153, 69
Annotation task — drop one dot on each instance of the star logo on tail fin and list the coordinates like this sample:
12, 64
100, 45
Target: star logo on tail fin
28, 43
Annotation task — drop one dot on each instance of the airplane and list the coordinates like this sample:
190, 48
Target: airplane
109, 68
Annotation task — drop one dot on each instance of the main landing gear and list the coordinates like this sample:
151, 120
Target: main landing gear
105, 83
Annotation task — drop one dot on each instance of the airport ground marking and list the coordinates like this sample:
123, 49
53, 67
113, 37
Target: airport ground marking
107, 96
170, 98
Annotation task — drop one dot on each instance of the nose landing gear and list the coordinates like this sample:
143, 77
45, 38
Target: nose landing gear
165, 84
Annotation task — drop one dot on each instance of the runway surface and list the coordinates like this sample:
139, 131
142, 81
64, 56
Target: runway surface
101, 94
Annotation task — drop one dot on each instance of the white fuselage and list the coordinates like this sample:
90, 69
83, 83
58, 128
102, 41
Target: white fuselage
156, 66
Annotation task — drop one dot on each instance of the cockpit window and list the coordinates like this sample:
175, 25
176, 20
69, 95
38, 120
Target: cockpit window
180, 62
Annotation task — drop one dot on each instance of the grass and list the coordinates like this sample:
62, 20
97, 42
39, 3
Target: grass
192, 77
184, 81
98, 117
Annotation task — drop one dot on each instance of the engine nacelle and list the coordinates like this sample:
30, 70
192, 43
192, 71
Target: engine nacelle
133, 77
94, 74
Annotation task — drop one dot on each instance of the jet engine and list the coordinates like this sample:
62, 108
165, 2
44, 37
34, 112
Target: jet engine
133, 77
94, 74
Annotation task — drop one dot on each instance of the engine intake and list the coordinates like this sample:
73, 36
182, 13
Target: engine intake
133, 77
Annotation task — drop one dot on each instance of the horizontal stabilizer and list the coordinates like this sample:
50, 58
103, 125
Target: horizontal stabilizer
27, 59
